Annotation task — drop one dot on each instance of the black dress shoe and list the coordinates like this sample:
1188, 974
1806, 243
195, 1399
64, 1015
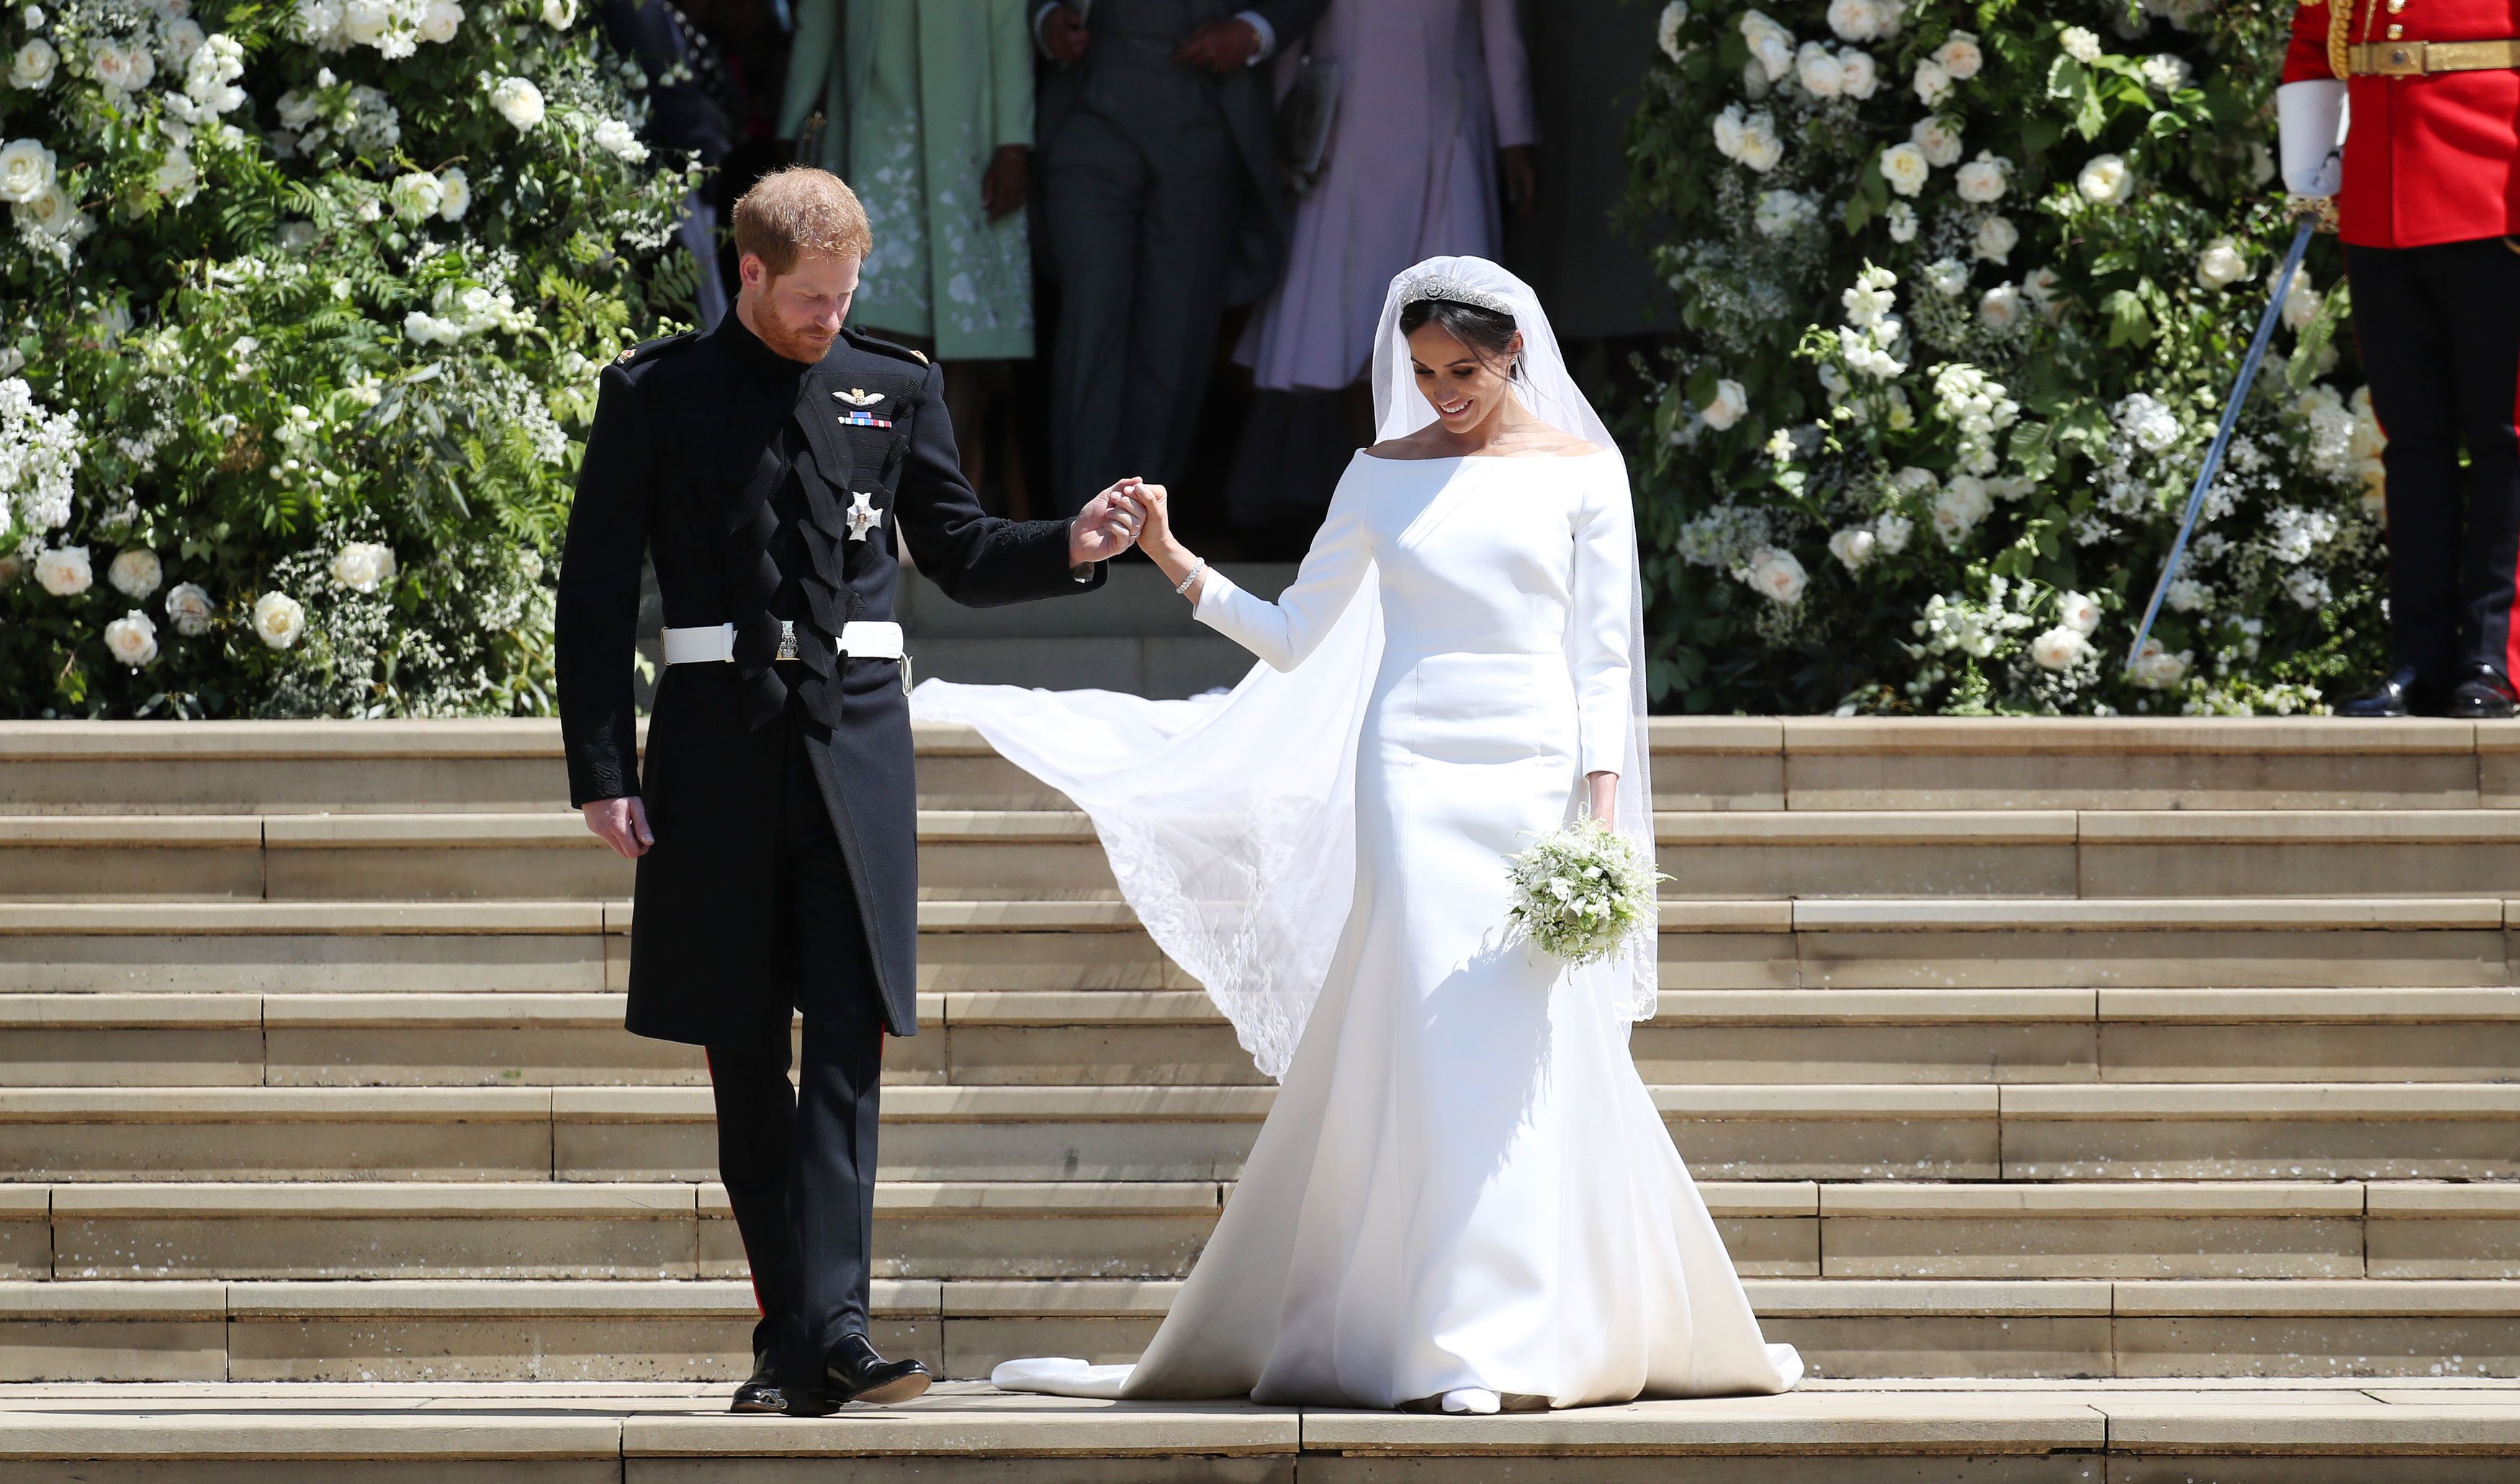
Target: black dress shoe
2484, 695
2404, 694
854, 1372
760, 1391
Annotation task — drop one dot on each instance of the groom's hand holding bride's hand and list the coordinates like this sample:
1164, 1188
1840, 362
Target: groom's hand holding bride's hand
622, 824
1108, 525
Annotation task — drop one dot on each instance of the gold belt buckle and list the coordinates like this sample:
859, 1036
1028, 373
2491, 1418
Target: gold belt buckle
787, 638
2398, 59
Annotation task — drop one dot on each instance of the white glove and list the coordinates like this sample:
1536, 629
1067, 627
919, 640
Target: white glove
2311, 119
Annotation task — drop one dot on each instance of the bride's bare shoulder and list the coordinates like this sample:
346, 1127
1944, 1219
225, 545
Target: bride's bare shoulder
1415, 445
1550, 442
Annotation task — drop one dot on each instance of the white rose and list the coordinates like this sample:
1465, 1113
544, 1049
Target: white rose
1854, 19
117, 70
2060, 648
1853, 547
1959, 56
518, 101
440, 23
1904, 168
135, 573
2079, 611
188, 608
33, 66
1730, 403
49, 214
1932, 84
1728, 131
1772, 46
2000, 309
1777, 575
1761, 150
2166, 73
278, 620
1997, 237
363, 567
614, 137
177, 43
560, 14
1982, 179
454, 193
132, 639
1859, 76
2157, 669
1948, 277
2220, 263
1902, 222
2106, 180
1959, 506
64, 570
1667, 34
416, 195
1818, 71
25, 170
2084, 46
1939, 138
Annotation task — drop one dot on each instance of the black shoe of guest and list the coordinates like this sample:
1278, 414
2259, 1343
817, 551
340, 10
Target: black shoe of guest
854, 1372
2484, 695
760, 1391
2402, 694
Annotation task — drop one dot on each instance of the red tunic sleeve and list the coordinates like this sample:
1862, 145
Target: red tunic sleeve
2306, 59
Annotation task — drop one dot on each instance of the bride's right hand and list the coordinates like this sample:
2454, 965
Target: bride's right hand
1154, 513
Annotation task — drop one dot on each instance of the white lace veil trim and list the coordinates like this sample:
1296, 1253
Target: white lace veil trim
1231, 821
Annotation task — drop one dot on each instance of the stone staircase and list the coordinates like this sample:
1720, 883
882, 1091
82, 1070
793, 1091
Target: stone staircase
2107, 1065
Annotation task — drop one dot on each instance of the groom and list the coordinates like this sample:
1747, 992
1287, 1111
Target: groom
770, 468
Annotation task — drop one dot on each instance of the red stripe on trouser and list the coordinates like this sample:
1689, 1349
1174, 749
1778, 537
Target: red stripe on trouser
758, 1307
2512, 619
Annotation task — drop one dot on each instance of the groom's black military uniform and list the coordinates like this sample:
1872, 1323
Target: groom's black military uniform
784, 876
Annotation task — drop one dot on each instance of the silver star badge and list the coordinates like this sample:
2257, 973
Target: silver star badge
862, 515
859, 396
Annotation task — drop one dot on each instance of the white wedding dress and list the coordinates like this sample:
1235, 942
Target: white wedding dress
1464, 1186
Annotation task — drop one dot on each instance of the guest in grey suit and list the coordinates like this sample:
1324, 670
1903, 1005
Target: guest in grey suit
1161, 202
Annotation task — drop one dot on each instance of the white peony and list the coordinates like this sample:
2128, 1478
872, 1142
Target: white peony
1818, 71
363, 567
440, 23
1730, 404
33, 66
2079, 611
1997, 237
1939, 138
1892, 530
1854, 19
64, 570
1982, 180
560, 14
132, 639
2106, 180
2060, 648
2084, 46
2000, 309
1667, 35
2157, 669
188, 608
518, 101
616, 138
135, 573
1959, 56
1902, 222
1906, 169
278, 620
1778, 575
1948, 277
27, 170
2220, 264
1853, 547
1932, 84
1960, 503
416, 195
2166, 73
454, 193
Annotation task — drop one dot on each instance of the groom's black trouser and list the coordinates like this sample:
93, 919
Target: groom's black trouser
799, 1162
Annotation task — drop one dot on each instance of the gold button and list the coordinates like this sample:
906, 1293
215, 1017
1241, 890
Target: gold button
2395, 5
2396, 31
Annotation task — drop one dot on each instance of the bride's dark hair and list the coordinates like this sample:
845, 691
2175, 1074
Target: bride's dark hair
1488, 332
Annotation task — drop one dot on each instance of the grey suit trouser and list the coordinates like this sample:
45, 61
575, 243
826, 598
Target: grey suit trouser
1142, 217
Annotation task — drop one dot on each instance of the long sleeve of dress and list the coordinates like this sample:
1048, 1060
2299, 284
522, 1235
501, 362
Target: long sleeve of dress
1508, 73
1285, 631
1009, 74
1600, 626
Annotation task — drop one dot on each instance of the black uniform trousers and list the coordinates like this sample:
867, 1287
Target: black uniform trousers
2439, 330
799, 1163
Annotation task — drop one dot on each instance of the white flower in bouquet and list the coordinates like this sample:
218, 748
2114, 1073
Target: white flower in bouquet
1583, 891
1932, 84
132, 639
1730, 404
1959, 56
363, 567
2220, 263
1997, 237
1780, 213
416, 195
2105, 180
1777, 575
518, 101
278, 620
1853, 547
454, 193
1859, 76
1939, 138
1855, 20
188, 608
2302, 303
440, 23
1870, 300
1892, 530
27, 170
1948, 277
1772, 46
2001, 308
1761, 150
616, 138
2060, 648
1667, 34
135, 573
120, 70
2079, 611
2157, 669
1902, 222
2186, 595
1906, 168
64, 570
2164, 72
1959, 506
32, 65
560, 14
1818, 71
1982, 180
2081, 44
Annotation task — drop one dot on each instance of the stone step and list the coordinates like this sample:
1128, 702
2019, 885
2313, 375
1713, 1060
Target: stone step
1984, 1431
1085, 1229
59, 767
587, 1330
1177, 1037
2032, 1132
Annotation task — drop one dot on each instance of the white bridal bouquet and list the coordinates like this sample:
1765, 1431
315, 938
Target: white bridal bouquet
1581, 890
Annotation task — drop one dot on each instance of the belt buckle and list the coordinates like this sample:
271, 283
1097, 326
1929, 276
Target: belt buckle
787, 638
2398, 59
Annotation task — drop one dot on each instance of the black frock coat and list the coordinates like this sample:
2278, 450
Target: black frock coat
689, 453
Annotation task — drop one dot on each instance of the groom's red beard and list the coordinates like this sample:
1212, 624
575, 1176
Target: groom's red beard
796, 339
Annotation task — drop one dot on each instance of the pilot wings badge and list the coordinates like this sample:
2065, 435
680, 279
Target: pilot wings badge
859, 396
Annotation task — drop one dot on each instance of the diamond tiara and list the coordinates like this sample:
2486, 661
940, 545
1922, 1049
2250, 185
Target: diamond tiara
1452, 291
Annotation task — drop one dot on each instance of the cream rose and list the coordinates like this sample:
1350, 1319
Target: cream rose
2220, 264
2106, 180
2060, 648
1761, 150
25, 170
1948, 277
416, 195
1982, 180
454, 193
1904, 168
1778, 575
131, 639
2000, 309
1818, 71
1932, 84
1730, 403
440, 23
119, 70
518, 101
2079, 611
560, 14
64, 570
1854, 19
1939, 138
33, 64
1853, 547
135, 573
1859, 76
1959, 57
2157, 669
278, 620
1959, 506
363, 567
188, 608
1997, 237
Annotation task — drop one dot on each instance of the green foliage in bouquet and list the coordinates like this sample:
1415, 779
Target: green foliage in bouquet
1583, 891
1963, 287
301, 310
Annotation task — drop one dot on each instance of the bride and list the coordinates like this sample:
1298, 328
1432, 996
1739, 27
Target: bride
1464, 1196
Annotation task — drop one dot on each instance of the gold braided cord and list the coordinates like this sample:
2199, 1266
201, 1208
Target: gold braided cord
2340, 27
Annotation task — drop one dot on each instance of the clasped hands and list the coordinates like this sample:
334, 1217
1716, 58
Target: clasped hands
1128, 514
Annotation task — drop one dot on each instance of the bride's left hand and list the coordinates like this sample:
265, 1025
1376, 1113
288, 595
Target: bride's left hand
1601, 792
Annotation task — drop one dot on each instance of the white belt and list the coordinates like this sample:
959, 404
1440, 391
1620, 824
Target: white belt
865, 640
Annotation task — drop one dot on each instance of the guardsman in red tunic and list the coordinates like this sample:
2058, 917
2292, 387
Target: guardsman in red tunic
2427, 200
